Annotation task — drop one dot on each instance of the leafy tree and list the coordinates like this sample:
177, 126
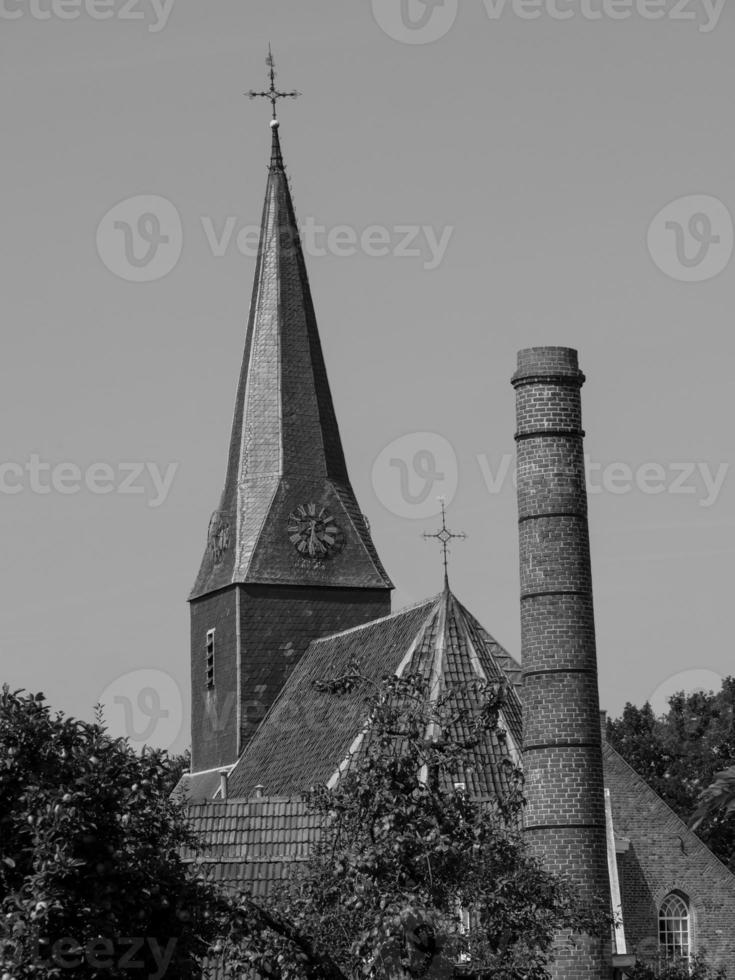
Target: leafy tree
718, 800
176, 766
680, 754
91, 879
412, 876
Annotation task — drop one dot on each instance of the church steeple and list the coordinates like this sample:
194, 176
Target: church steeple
285, 450
289, 555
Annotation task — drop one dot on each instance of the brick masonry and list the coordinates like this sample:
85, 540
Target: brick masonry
657, 855
562, 750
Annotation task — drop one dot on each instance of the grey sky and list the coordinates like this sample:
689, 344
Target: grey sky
541, 149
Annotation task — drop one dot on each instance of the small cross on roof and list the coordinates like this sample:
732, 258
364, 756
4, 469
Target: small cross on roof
444, 536
273, 94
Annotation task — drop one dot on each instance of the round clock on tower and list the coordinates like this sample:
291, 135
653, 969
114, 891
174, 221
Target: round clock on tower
313, 532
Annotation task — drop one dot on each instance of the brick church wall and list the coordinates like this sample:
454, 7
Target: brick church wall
663, 856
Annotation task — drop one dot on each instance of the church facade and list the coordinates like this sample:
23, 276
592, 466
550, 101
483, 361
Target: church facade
291, 589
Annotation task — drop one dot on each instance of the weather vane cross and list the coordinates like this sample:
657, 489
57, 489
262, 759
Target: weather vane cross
444, 536
273, 94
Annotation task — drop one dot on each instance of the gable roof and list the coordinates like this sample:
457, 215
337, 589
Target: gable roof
308, 735
637, 808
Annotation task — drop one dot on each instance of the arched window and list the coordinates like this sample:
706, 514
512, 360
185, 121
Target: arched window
674, 932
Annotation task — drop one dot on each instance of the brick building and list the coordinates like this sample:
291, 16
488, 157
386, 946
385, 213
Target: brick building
291, 588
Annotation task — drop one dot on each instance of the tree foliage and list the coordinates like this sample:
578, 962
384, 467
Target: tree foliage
91, 879
412, 876
682, 753
718, 799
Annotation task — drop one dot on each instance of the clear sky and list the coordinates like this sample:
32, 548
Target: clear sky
513, 162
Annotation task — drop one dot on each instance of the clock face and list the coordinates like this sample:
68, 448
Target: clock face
313, 533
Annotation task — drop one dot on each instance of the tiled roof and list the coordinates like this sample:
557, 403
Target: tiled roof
251, 843
285, 447
308, 734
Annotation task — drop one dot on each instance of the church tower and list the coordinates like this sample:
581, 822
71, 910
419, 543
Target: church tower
289, 556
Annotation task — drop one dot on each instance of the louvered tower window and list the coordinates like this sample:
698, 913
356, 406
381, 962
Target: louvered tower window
674, 928
210, 658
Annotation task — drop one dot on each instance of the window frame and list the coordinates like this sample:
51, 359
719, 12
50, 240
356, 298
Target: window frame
675, 939
209, 648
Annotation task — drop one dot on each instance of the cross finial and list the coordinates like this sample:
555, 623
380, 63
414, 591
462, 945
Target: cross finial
273, 94
444, 536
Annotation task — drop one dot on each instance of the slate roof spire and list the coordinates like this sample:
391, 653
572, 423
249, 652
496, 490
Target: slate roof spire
286, 454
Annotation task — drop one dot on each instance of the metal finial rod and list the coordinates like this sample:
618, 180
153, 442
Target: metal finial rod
444, 536
273, 94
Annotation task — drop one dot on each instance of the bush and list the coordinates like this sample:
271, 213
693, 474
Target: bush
697, 969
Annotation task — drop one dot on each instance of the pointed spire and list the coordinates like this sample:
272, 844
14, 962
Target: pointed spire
288, 513
276, 155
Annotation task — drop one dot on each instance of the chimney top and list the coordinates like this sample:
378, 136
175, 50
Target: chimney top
535, 363
223, 779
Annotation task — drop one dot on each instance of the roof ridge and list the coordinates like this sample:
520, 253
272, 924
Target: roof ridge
475, 622
383, 619
618, 758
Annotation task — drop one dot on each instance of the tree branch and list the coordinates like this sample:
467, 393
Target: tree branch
320, 964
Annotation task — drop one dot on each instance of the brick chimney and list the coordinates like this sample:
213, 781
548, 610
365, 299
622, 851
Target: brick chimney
562, 751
